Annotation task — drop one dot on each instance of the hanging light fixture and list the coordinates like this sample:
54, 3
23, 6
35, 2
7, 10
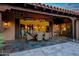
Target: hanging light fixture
26, 27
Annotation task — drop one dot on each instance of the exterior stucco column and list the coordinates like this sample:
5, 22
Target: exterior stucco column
17, 29
77, 29
73, 28
0, 21
51, 28
1, 33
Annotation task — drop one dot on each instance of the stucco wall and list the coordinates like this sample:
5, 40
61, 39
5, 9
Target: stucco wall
9, 34
77, 29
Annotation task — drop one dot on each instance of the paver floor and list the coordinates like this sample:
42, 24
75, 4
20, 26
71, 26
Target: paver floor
63, 49
17, 46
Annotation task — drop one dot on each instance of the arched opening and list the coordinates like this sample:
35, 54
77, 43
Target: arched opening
62, 27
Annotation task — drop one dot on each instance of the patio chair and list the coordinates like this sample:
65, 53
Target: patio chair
40, 36
29, 37
47, 36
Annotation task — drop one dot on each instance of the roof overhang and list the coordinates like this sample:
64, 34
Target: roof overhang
4, 7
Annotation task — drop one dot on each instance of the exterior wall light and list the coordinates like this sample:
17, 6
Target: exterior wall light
6, 24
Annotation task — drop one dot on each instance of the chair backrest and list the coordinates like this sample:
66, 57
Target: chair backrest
40, 36
29, 37
47, 35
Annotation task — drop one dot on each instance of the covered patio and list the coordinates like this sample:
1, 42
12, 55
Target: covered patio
34, 27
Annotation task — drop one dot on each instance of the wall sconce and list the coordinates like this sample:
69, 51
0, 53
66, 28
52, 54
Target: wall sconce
6, 24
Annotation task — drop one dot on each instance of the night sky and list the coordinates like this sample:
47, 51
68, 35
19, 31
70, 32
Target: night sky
73, 6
